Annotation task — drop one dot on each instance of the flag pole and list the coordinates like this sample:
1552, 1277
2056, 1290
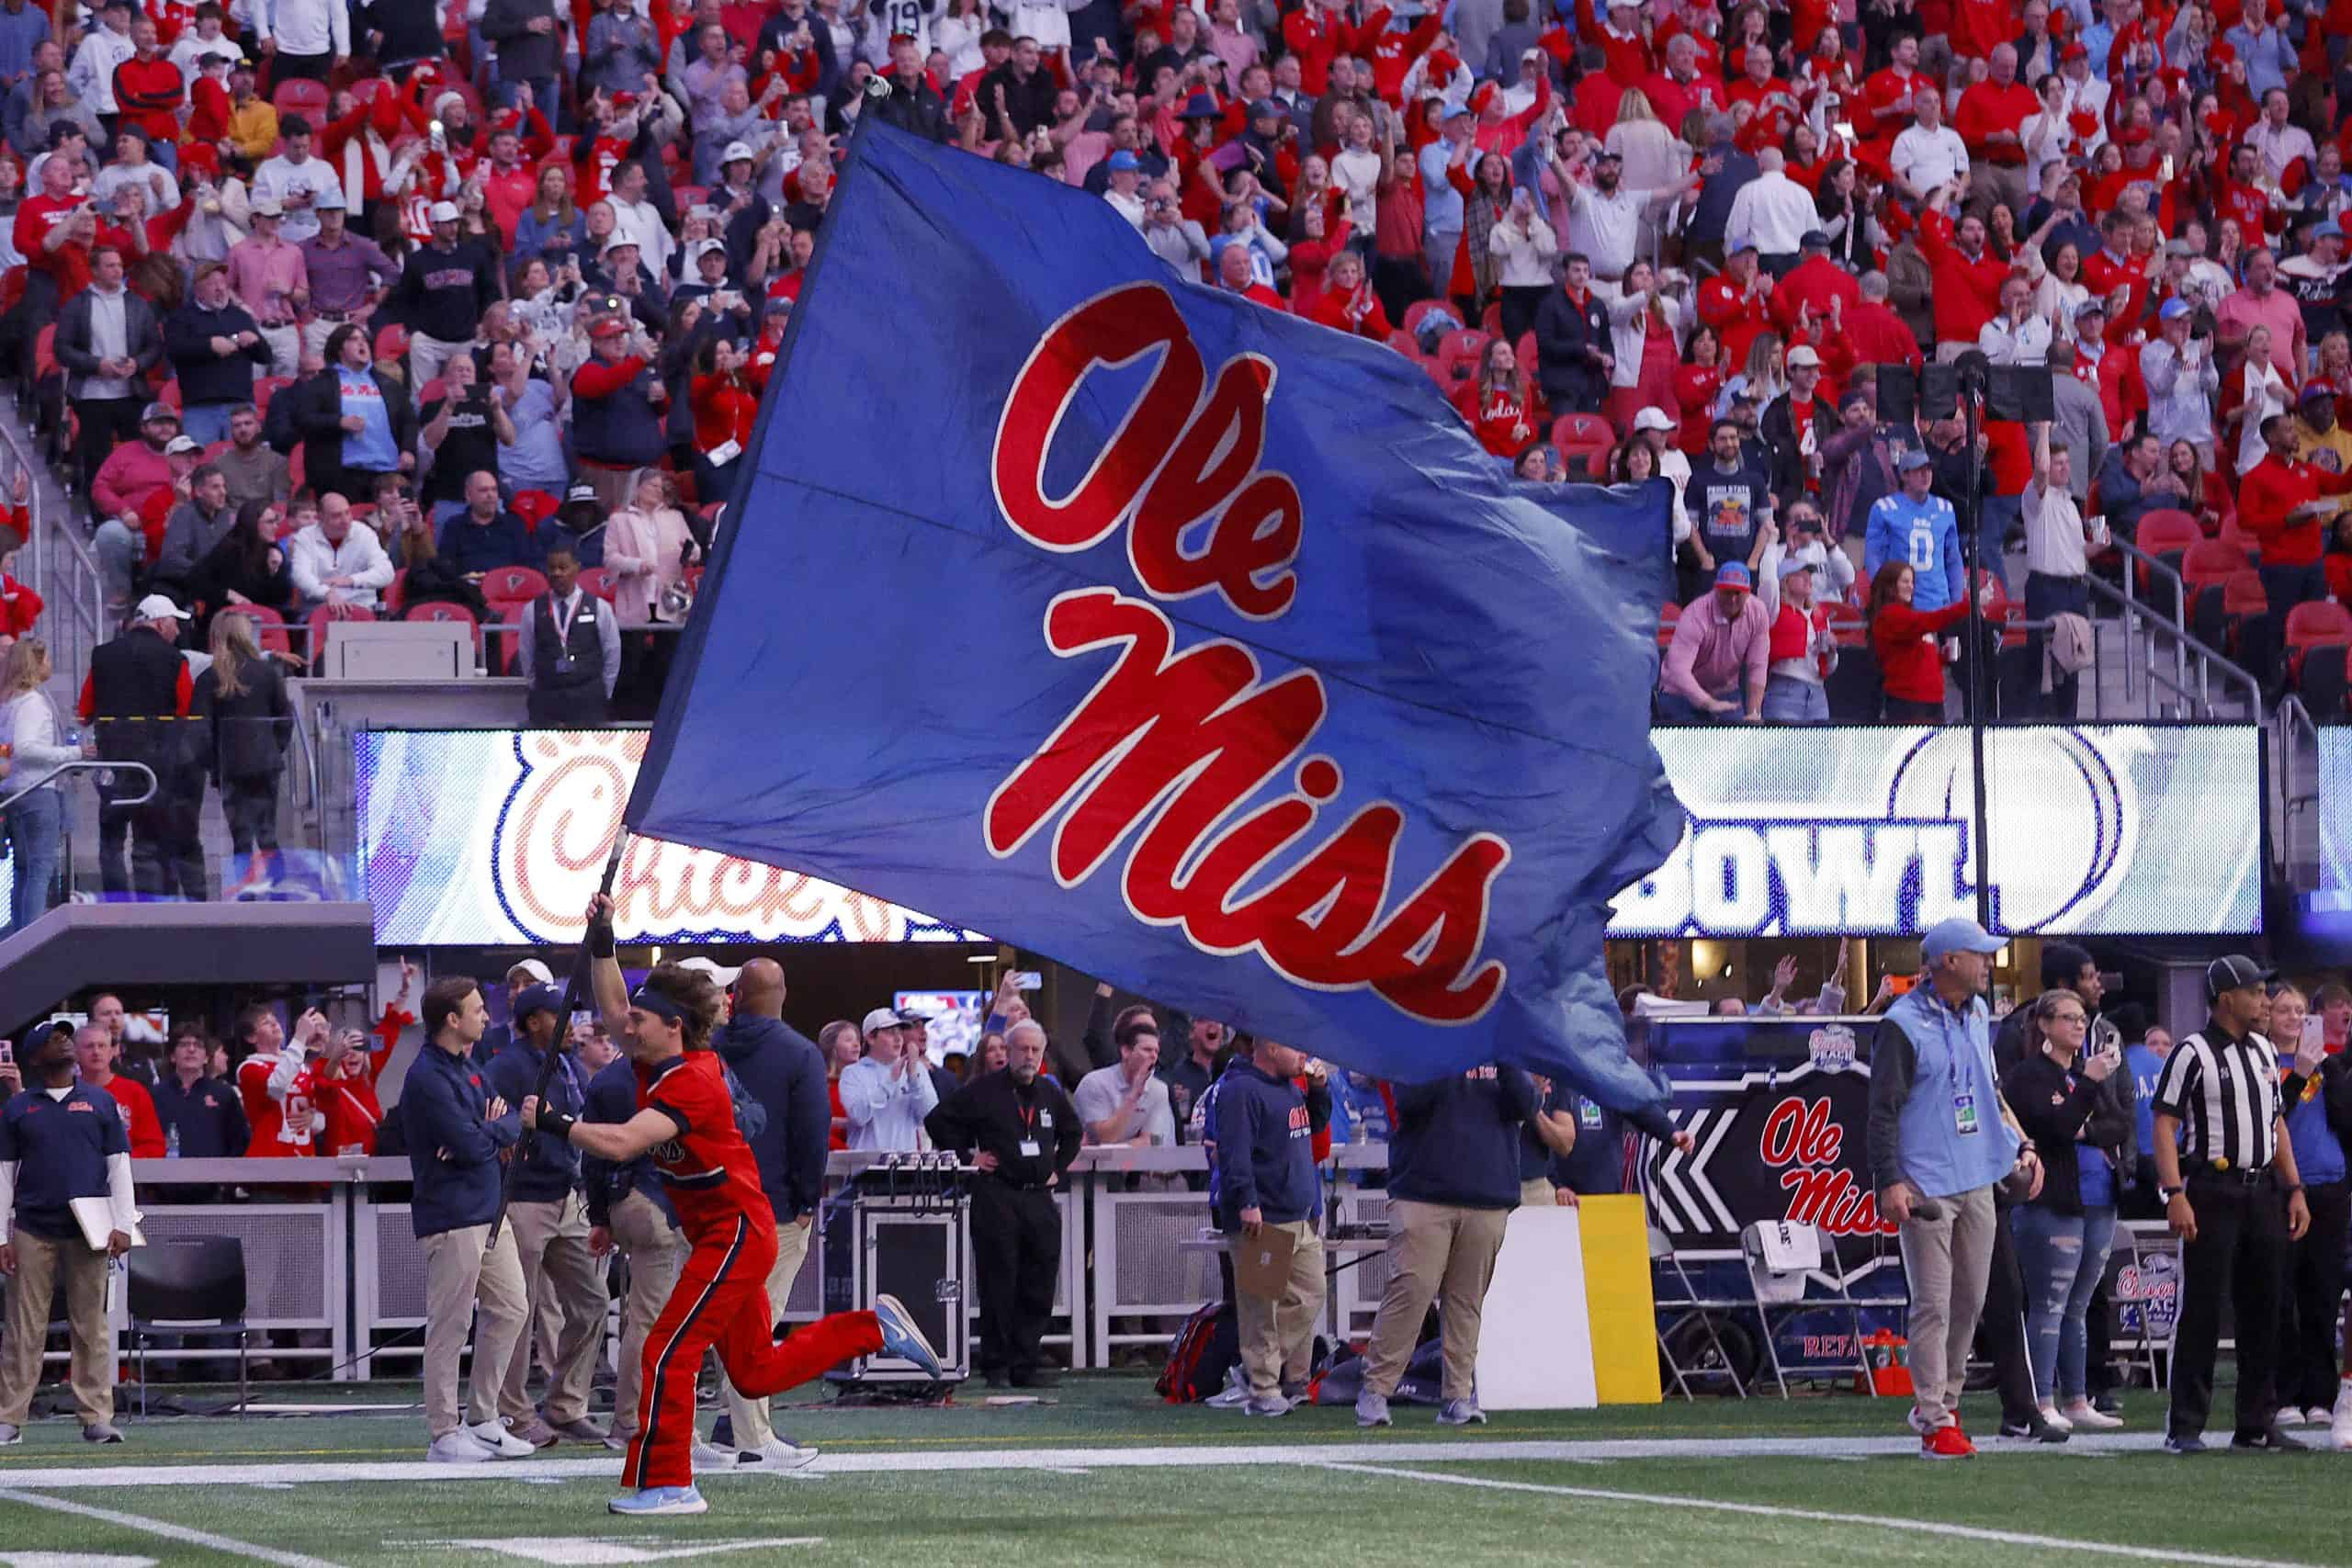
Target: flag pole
571, 989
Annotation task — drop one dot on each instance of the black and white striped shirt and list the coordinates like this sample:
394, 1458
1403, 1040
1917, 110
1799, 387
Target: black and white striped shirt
2225, 1092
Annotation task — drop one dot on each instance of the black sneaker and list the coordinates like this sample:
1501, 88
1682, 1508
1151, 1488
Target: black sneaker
2179, 1445
2270, 1440
2034, 1431
2108, 1404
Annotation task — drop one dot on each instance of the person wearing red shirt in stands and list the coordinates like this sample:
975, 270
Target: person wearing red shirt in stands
53, 232
1318, 31
725, 405
1348, 303
1968, 277
93, 1051
1682, 86
274, 1084
1772, 103
2235, 195
1910, 664
1875, 330
1737, 302
1697, 380
1887, 98
150, 88
1626, 48
2280, 504
1817, 282
1497, 402
1233, 275
344, 1084
685, 1121
1990, 119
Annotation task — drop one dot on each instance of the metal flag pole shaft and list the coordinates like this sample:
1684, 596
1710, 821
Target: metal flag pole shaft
571, 989
1973, 384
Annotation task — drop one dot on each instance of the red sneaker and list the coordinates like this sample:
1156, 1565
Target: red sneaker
1947, 1442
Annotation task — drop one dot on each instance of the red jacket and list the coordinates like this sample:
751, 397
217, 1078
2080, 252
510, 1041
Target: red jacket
1967, 292
149, 91
1910, 666
1984, 108
139, 1119
2268, 492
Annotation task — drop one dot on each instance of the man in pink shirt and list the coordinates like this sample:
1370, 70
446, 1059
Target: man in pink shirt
266, 272
2262, 303
1721, 651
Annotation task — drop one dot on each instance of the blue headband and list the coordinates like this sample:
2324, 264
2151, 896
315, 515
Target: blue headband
658, 1004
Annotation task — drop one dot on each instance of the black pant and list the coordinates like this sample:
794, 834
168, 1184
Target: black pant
2239, 1252
284, 67
1016, 1247
151, 848
579, 706
105, 423
2047, 595
251, 807
2002, 1328
2286, 587
2314, 1285
1520, 301
1903, 710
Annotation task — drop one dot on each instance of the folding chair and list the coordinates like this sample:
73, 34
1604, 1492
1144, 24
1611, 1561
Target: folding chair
1690, 1305
1781, 1260
194, 1283
2135, 1288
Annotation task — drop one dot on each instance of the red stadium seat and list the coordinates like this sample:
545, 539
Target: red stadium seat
2321, 623
298, 94
2210, 561
1666, 615
267, 388
600, 581
2166, 535
1457, 354
1847, 625
1584, 438
396, 591
269, 628
513, 585
324, 615
442, 610
1420, 309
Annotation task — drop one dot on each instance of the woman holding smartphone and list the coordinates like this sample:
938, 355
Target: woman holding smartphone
2060, 1100
2316, 1090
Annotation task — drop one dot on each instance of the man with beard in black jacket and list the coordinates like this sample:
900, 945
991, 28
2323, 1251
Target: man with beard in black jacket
912, 107
782, 1071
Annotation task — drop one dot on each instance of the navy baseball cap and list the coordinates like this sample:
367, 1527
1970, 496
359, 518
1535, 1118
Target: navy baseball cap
539, 999
1734, 574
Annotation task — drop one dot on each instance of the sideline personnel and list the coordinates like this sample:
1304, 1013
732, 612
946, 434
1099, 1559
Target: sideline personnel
60, 1141
1026, 1132
2235, 1214
1939, 1140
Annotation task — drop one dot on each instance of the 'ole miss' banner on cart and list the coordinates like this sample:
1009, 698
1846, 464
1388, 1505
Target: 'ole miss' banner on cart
1193, 644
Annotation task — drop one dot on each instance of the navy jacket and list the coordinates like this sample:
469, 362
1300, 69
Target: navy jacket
62, 1147
1265, 1157
467, 545
551, 1166
1457, 1139
452, 1150
782, 1069
1596, 1164
211, 1121
612, 1098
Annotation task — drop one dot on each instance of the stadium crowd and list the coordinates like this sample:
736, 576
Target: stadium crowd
465, 312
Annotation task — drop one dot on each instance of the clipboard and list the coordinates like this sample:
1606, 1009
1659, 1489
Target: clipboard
96, 1216
1262, 1262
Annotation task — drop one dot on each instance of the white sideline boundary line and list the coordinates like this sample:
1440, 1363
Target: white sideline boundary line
167, 1531
889, 1462
1819, 1516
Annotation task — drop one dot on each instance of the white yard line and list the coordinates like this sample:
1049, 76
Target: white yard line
900, 1461
1937, 1529
167, 1531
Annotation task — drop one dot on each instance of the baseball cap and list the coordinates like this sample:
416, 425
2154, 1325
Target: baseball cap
737, 153
880, 1018
616, 239
909, 1016
159, 411
2094, 306
611, 326
1265, 109
1912, 458
1855, 395
1734, 574
1745, 247
2173, 310
537, 971
1813, 240
159, 606
1607, 155
1123, 161
1792, 564
444, 212
1453, 110
2177, 248
2231, 971
1958, 934
580, 492
1652, 418
2331, 230
2317, 392
720, 975
2073, 51
329, 201
541, 997
179, 443
701, 248
1802, 355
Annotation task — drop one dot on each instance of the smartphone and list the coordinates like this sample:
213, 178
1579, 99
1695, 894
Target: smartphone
2314, 1033
7, 1052
1028, 980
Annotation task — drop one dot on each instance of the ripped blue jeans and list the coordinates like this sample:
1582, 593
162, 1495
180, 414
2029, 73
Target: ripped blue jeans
2063, 1257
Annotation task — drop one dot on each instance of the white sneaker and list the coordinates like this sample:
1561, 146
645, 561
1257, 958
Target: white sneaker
2291, 1415
503, 1444
2078, 1412
2050, 1414
708, 1456
460, 1447
1917, 1422
2340, 1430
775, 1454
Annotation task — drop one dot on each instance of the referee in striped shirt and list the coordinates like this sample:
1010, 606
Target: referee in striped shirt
2218, 1118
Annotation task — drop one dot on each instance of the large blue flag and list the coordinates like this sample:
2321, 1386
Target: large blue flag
1193, 644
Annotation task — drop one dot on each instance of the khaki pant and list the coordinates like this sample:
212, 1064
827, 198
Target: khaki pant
748, 1417
1947, 1261
2003, 182
655, 1252
458, 1275
426, 356
1537, 1192
566, 1289
284, 349
1436, 1252
1278, 1335
39, 1261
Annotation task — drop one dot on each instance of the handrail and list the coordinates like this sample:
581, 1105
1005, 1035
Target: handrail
2185, 642
2134, 556
2293, 720
97, 765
